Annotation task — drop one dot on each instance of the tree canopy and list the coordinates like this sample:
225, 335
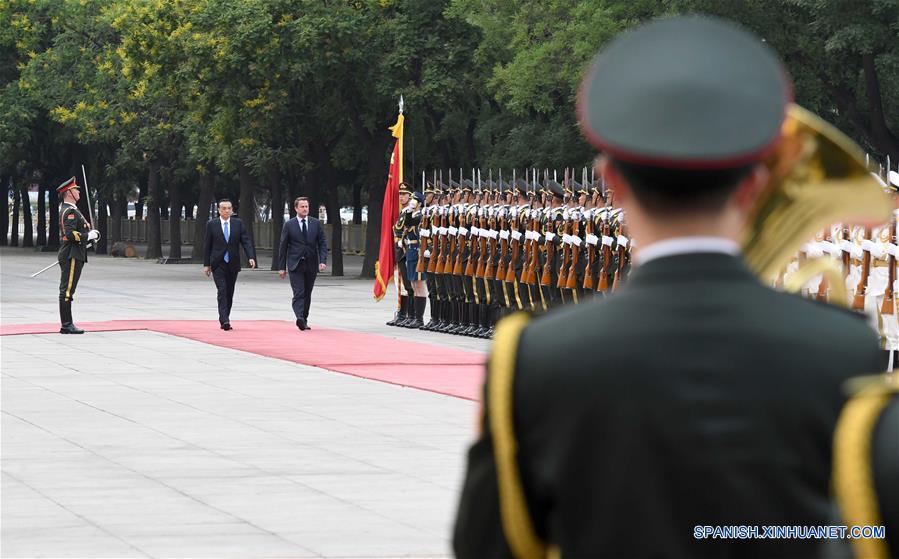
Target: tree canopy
176, 102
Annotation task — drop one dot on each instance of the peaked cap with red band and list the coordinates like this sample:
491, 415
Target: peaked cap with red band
690, 92
68, 185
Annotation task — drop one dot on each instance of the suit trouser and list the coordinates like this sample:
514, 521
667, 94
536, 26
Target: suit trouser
70, 274
302, 280
224, 278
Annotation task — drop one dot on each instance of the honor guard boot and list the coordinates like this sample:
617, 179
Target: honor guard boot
403, 314
470, 319
410, 311
419, 304
456, 317
65, 317
431, 323
460, 314
397, 316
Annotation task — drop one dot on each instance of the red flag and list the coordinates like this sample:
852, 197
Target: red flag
389, 213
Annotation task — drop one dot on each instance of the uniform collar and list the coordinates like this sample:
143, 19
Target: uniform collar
685, 245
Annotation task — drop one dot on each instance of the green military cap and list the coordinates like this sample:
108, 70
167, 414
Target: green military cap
405, 188
520, 185
579, 188
502, 187
555, 189
467, 185
689, 92
454, 186
429, 187
488, 186
67, 185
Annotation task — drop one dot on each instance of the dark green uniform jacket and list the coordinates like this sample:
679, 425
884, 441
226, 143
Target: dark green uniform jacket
73, 228
693, 396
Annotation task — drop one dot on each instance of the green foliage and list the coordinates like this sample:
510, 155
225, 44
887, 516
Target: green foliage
308, 87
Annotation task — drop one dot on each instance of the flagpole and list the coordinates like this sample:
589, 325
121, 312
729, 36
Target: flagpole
401, 142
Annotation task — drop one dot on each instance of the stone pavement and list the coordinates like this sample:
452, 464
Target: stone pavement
135, 444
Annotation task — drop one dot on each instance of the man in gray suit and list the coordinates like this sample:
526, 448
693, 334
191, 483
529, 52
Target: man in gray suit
304, 253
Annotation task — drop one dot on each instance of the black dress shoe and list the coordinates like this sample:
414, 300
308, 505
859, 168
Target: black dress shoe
70, 329
226, 326
301, 324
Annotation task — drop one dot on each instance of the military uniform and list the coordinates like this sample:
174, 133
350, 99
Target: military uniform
74, 233
711, 400
405, 313
866, 467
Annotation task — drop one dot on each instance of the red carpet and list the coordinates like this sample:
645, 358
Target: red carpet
427, 367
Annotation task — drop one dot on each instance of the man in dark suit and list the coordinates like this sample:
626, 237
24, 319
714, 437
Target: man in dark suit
221, 258
695, 395
304, 253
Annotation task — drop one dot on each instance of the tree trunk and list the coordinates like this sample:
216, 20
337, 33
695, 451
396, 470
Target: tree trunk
102, 225
294, 190
53, 237
247, 207
274, 182
154, 233
141, 199
119, 211
377, 178
207, 186
16, 201
41, 214
4, 210
28, 238
333, 207
357, 203
175, 220
881, 136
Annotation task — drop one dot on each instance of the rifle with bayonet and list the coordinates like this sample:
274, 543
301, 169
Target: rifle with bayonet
888, 306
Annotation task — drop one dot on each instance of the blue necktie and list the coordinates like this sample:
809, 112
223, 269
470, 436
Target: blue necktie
227, 236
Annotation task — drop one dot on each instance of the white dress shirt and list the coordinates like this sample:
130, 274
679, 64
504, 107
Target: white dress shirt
228, 222
685, 245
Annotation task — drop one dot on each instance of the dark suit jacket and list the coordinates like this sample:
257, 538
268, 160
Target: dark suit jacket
294, 248
693, 396
215, 246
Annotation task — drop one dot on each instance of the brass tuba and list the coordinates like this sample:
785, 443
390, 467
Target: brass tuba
818, 177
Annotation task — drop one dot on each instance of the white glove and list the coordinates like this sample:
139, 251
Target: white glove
831, 249
443, 230
606, 240
867, 244
493, 234
413, 203
427, 254
475, 231
592, 240
566, 239
463, 231
891, 249
516, 235
453, 230
435, 230
550, 236
424, 233
93, 235
814, 250
575, 240
622, 241
504, 235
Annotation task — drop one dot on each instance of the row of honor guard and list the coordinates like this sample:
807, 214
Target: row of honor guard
867, 257
478, 250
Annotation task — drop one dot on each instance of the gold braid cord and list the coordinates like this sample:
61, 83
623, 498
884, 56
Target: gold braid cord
516, 520
853, 476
